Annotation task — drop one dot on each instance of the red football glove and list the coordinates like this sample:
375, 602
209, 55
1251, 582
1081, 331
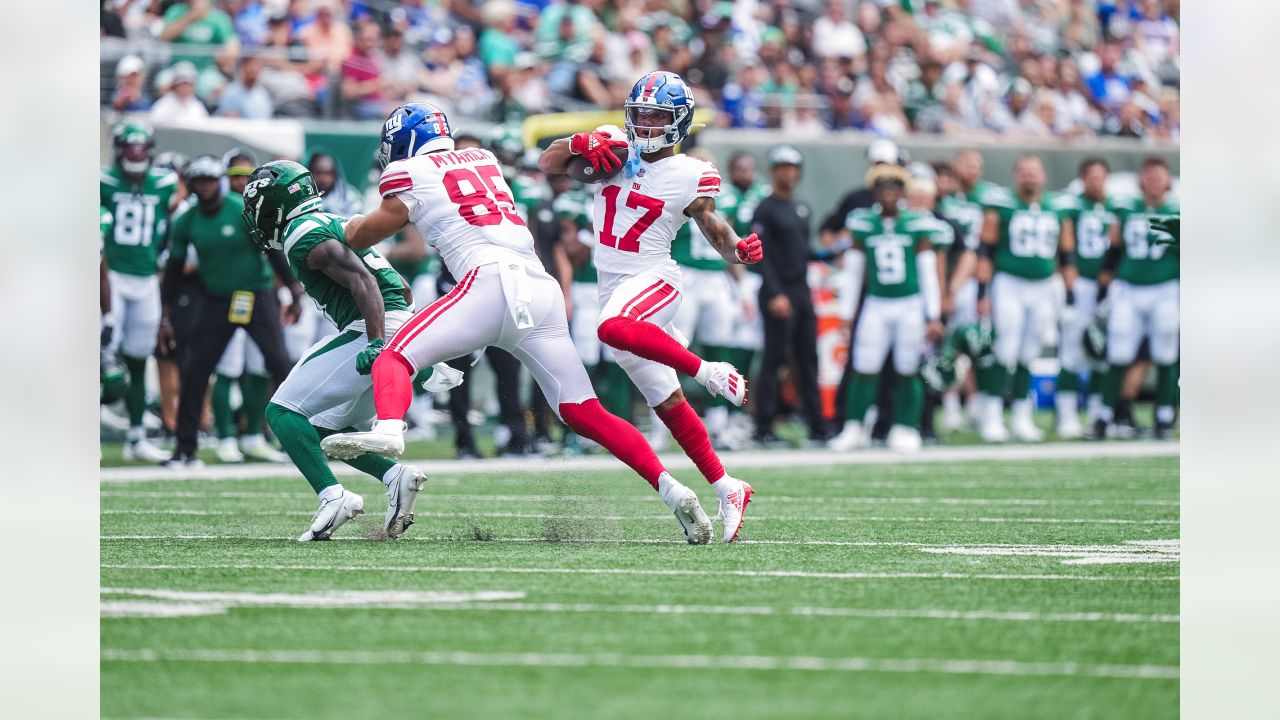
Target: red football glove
597, 147
750, 251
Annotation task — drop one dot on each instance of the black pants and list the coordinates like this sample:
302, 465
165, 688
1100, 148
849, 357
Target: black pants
510, 412
796, 335
209, 338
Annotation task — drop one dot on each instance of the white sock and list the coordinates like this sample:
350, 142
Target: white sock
993, 409
1067, 402
1095, 407
136, 433
1164, 414
701, 375
951, 404
390, 427
667, 490
725, 485
253, 440
1022, 409
330, 493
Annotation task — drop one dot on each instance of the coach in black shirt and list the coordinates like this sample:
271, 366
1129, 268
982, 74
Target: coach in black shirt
790, 324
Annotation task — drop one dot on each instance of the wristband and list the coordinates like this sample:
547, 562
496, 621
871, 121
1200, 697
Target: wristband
1067, 257
986, 251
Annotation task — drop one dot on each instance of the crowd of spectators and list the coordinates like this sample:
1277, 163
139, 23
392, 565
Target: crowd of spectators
962, 68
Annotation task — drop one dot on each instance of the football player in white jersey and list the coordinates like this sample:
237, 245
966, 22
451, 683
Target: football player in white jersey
636, 215
460, 203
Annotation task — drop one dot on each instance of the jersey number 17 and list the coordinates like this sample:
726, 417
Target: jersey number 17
630, 240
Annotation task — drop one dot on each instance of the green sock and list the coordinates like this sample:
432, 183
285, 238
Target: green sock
1096, 381
1167, 385
993, 380
135, 398
1021, 382
615, 389
862, 392
301, 441
423, 375
368, 463
220, 399
1068, 381
1111, 385
908, 401
254, 390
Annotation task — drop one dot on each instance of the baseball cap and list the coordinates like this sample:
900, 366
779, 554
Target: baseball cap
882, 151
205, 166
785, 155
128, 65
183, 72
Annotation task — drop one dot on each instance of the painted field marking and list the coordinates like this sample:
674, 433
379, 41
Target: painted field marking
490, 602
662, 662
753, 518
1133, 551
742, 459
648, 572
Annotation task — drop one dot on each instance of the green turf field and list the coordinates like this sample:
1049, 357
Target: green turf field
993, 589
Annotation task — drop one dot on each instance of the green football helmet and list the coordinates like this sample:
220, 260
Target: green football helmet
135, 144
277, 194
113, 378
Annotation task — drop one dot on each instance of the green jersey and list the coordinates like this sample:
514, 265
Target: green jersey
1027, 241
336, 301
411, 269
690, 249
105, 222
891, 244
1092, 221
966, 209
526, 193
575, 205
215, 28
1145, 262
738, 206
140, 217
228, 260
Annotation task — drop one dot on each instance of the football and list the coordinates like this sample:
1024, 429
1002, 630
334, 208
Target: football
580, 168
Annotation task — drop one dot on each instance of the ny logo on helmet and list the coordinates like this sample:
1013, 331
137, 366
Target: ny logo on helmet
393, 125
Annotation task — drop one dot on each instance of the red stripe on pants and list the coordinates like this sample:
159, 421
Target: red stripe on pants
422, 320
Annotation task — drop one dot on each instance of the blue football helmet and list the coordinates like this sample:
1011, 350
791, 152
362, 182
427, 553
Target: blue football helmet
414, 129
662, 96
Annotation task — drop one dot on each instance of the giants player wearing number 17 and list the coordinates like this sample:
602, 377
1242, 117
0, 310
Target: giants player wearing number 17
637, 214
1023, 234
460, 203
140, 199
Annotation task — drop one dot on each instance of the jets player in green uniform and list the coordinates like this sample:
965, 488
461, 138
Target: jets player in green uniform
1095, 225
329, 389
965, 207
1144, 299
893, 248
1023, 236
140, 199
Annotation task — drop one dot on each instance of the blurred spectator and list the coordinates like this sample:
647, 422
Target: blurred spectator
362, 81
246, 97
401, 67
498, 46
130, 95
339, 197
1080, 29
327, 38
179, 105
743, 99
835, 36
1108, 86
566, 30
249, 20
1155, 39
199, 23
591, 83
109, 22
1069, 95
454, 71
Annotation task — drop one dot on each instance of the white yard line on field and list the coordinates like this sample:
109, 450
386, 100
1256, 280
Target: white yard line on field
743, 459
1127, 553
183, 600
649, 572
658, 662
427, 496
753, 518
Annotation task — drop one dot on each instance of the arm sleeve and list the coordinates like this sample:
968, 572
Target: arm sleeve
927, 270
855, 263
281, 267
170, 281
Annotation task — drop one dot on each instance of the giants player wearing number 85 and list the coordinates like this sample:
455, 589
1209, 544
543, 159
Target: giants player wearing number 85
636, 215
460, 203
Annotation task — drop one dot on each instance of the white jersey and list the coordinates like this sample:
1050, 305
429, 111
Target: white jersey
635, 219
463, 207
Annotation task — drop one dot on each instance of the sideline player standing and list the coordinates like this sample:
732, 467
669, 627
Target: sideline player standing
140, 199
637, 214
326, 391
461, 205
1023, 235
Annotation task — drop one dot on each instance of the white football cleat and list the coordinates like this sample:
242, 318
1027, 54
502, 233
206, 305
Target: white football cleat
992, 428
994, 432
227, 451
386, 439
402, 494
852, 437
143, 451
904, 439
1069, 427
332, 515
688, 511
723, 380
1022, 425
733, 498
953, 415
256, 447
